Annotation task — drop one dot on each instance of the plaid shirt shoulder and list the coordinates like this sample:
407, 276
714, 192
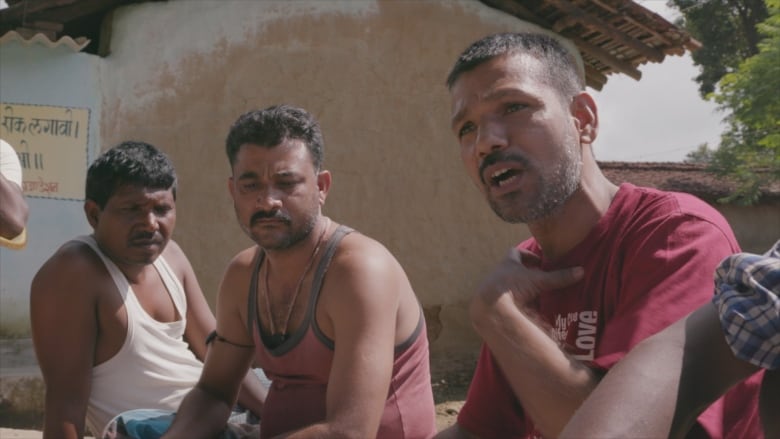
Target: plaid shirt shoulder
747, 296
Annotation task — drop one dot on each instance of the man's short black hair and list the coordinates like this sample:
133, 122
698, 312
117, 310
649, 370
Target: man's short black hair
129, 163
562, 68
273, 125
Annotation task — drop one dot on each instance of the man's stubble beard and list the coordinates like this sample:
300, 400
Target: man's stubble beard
555, 188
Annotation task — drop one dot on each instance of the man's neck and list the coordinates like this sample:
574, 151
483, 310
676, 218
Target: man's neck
287, 263
573, 221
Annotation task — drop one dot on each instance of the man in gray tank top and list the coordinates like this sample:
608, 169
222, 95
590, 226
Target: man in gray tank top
326, 312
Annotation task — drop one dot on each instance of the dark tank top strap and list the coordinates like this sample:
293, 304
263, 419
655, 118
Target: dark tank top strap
319, 276
251, 312
413, 337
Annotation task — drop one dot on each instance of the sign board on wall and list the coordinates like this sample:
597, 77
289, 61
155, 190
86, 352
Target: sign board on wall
51, 143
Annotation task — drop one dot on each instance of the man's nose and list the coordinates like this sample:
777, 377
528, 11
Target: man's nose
150, 221
268, 200
491, 136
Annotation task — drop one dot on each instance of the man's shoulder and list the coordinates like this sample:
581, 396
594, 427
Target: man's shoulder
73, 255
360, 259
73, 266
173, 253
242, 264
646, 202
245, 258
639, 216
358, 250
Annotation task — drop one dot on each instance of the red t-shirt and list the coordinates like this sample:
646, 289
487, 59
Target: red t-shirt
648, 262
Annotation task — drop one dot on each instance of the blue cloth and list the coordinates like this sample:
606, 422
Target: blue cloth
152, 424
141, 424
747, 297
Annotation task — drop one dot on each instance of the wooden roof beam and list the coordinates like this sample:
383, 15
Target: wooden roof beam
577, 15
48, 25
17, 11
77, 10
607, 58
594, 78
634, 22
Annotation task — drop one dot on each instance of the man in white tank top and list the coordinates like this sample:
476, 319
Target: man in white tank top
119, 321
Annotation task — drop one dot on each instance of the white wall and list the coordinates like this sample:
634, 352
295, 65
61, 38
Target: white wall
36, 74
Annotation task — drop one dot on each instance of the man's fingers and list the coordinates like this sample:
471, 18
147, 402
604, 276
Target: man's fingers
562, 278
549, 280
524, 257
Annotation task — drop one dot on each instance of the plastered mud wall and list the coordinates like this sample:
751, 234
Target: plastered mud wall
373, 73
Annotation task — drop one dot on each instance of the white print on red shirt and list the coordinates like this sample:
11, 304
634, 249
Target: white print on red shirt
584, 324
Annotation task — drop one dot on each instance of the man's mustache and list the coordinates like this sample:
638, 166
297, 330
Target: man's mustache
275, 215
146, 236
500, 156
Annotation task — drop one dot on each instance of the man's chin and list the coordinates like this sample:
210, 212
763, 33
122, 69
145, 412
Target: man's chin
269, 242
512, 218
510, 209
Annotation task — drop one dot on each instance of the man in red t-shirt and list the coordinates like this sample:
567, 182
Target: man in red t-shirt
672, 376
607, 265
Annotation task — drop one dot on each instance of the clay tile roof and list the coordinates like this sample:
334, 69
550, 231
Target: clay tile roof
681, 177
614, 36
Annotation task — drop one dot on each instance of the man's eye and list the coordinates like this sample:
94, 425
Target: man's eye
511, 108
465, 129
162, 210
286, 184
246, 187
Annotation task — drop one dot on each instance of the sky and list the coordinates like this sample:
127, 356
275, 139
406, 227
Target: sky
659, 118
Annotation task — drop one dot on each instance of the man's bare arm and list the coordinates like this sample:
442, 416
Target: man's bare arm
64, 330
200, 324
663, 384
205, 410
549, 383
13, 209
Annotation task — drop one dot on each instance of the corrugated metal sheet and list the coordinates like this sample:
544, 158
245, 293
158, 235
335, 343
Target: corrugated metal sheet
76, 45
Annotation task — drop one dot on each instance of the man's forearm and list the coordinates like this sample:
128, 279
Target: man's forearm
550, 384
252, 394
13, 209
200, 415
64, 422
62, 431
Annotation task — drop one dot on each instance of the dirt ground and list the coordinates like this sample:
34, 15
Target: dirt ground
449, 392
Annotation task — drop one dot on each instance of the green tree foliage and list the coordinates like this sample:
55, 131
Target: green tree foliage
752, 95
749, 93
727, 30
702, 154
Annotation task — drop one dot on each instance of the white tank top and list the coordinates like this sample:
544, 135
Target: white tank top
155, 368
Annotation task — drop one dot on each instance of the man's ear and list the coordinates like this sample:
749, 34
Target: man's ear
586, 117
231, 187
323, 184
92, 211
